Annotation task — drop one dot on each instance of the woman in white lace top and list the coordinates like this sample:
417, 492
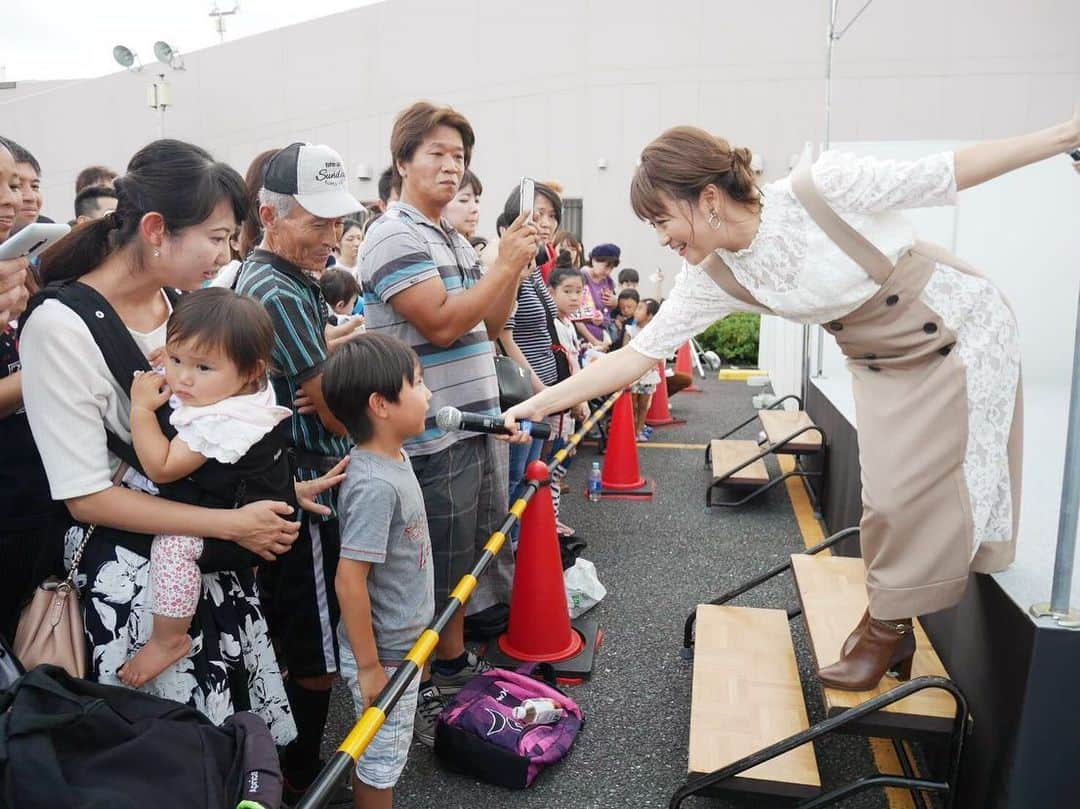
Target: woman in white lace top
932, 346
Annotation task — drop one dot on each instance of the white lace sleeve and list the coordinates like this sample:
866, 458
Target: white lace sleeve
870, 185
694, 304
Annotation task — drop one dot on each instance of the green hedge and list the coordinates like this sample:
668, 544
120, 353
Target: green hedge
734, 339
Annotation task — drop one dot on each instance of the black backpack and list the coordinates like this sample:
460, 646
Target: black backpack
67, 743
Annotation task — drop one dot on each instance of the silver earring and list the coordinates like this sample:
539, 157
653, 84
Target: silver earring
714, 220
157, 254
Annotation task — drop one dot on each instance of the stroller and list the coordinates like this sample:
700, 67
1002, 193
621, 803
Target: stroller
67, 743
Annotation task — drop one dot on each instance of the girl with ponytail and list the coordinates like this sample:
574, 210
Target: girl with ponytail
932, 347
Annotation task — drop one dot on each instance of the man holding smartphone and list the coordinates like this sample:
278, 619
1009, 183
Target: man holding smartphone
425, 285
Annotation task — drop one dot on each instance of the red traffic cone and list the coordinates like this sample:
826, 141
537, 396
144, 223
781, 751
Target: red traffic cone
659, 414
683, 365
540, 629
621, 476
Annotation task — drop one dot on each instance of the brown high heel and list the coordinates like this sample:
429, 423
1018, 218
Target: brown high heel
874, 648
856, 633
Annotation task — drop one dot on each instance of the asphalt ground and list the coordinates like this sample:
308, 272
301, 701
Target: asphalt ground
658, 559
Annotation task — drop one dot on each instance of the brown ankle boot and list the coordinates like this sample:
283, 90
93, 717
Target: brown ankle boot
856, 633
874, 648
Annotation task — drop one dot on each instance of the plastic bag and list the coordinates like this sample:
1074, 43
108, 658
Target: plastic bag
583, 588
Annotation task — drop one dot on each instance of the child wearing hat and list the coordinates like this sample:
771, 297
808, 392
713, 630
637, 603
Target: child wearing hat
603, 259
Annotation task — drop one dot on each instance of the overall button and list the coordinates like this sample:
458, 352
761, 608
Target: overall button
892, 300
929, 328
945, 351
836, 325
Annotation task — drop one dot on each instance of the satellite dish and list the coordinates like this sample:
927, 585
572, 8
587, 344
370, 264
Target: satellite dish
125, 57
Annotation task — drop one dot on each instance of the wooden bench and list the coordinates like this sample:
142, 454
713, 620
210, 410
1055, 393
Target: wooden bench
725, 454
833, 594
779, 424
728, 454
746, 696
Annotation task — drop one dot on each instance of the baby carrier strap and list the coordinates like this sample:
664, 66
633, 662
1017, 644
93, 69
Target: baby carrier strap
122, 355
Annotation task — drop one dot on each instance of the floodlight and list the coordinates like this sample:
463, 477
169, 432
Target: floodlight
168, 55
125, 57
163, 51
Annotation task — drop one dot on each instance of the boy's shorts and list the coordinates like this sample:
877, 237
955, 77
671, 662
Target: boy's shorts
383, 761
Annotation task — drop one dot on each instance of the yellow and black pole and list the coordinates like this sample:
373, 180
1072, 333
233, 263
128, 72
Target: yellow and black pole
373, 717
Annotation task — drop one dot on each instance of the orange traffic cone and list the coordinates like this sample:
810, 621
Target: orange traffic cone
621, 476
659, 414
540, 629
683, 365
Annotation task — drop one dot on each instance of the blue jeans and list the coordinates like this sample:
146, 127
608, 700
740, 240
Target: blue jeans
521, 455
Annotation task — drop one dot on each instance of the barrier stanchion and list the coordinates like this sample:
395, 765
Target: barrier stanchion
684, 365
540, 629
659, 414
372, 718
621, 474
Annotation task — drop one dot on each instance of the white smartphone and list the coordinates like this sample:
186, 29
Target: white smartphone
527, 196
32, 239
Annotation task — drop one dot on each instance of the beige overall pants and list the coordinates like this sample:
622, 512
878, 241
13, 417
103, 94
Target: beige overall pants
911, 411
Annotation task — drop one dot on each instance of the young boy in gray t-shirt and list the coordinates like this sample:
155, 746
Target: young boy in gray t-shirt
384, 581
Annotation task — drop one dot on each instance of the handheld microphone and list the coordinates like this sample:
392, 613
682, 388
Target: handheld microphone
450, 418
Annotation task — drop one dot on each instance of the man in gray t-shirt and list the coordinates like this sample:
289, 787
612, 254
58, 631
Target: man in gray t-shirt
383, 523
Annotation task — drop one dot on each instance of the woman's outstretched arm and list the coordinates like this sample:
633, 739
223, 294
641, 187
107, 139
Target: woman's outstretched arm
609, 373
985, 161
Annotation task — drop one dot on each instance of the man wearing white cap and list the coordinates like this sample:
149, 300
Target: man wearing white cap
301, 206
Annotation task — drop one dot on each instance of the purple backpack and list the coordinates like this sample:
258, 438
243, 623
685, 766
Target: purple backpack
477, 734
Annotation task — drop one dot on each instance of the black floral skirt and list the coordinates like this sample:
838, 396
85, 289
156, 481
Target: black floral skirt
231, 666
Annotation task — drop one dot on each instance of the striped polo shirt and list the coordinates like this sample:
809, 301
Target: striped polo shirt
404, 248
299, 314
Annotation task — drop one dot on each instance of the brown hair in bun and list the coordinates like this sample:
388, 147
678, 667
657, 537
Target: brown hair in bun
681, 162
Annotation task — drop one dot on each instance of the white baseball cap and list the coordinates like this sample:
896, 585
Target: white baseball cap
313, 175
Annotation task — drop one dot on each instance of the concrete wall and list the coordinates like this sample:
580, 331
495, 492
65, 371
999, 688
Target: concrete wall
552, 89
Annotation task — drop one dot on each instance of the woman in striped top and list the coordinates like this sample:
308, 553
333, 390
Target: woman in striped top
527, 336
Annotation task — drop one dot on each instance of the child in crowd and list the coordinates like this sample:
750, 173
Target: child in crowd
217, 350
628, 278
642, 390
625, 307
384, 581
567, 288
341, 291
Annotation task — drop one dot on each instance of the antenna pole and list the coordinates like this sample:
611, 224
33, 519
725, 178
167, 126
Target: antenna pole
219, 19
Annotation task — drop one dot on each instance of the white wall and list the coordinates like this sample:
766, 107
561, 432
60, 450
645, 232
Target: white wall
552, 87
